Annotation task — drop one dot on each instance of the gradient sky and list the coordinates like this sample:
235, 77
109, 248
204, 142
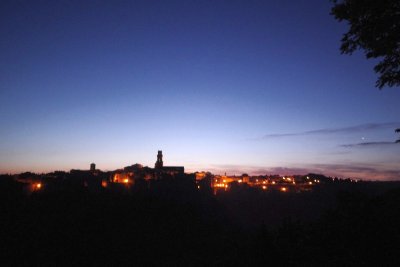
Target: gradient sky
225, 86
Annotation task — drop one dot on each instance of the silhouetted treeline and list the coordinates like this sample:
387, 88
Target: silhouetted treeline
173, 224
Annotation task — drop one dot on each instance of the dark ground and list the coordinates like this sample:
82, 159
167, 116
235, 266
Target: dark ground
335, 225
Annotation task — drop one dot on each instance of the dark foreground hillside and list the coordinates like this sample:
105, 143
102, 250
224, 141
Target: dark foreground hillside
346, 227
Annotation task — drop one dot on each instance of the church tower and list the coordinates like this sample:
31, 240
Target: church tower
92, 167
159, 162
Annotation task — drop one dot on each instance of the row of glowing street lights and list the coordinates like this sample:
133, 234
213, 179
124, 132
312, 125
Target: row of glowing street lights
224, 183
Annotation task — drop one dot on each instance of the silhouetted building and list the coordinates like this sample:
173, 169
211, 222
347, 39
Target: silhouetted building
159, 163
92, 167
130, 174
133, 168
173, 170
170, 170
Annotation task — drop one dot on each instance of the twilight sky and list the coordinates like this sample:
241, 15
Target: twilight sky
226, 86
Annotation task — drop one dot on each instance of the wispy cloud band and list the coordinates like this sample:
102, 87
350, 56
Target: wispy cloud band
339, 130
369, 144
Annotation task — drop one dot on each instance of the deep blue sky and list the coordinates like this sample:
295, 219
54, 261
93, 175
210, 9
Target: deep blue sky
225, 86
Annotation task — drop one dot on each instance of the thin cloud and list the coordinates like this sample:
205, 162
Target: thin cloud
344, 168
344, 130
368, 144
363, 171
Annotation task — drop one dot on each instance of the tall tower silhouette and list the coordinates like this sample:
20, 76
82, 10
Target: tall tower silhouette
159, 162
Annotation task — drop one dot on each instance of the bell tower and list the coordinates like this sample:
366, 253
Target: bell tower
159, 162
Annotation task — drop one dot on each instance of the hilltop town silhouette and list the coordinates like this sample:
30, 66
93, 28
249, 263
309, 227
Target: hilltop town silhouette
137, 177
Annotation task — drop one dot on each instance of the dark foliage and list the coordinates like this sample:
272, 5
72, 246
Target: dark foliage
374, 28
